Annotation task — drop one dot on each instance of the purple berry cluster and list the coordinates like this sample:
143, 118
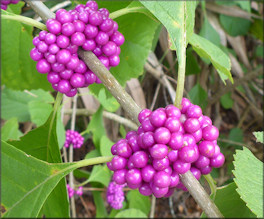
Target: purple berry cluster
74, 138
168, 142
115, 195
5, 3
71, 191
55, 51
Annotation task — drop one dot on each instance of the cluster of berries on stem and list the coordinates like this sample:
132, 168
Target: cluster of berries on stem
85, 27
74, 138
115, 195
5, 3
168, 142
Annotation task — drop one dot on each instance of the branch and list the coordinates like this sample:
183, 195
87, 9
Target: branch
126, 101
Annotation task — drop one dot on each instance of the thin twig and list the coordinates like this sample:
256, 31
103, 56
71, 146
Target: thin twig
153, 206
112, 116
62, 115
71, 179
171, 207
155, 97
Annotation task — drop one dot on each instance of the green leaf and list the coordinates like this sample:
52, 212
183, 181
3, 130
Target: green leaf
96, 126
99, 203
92, 154
18, 69
219, 59
104, 97
235, 26
15, 103
230, 204
122, 131
198, 96
105, 146
178, 19
131, 213
209, 33
42, 143
259, 136
10, 130
236, 134
39, 112
138, 201
27, 182
248, 174
101, 174
256, 29
138, 30
192, 66
226, 101
60, 130
15, 8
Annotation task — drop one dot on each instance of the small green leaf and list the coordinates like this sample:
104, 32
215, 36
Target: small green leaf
105, 146
219, 59
92, 154
256, 29
131, 213
60, 130
235, 26
39, 112
259, 136
198, 96
236, 134
104, 97
138, 201
226, 101
101, 174
10, 130
230, 204
99, 203
248, 174
122, 131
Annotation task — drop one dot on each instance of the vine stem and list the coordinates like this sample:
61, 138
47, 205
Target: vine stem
25, 20
129, 105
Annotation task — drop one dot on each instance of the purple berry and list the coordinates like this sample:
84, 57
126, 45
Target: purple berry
158, 118
140, 159
206, 170
64, 86
161, 179
123, 149
207, 148
101, 38
217, 161
53, 77
158, 151
147, 125
185, 105
71, 93
109, 48
50, 38
95, 18
63, 41
159, 192
181, 167
161, 164
104, 60
176, 141
147, 173
68, 29
114, 60
174, 179
145, 189
90, 77
79, 26
90, 31
78, 39
191, 125
143, 115
35, 54
202, 162
118, 162
119, 176
42, 47
210, 133
172, 111
188, 140
106, 25
188, 154
205, 121
196, 172
64, 17
73, 63
173, 155
98, 51
81, 68
53, 26
43, 66
117, 38
63, 56
53, 48
194, 111
133, 176
162, 135
173, 124
84, 17
148, 139
77, 80
89, 45
198, 135
132, 141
